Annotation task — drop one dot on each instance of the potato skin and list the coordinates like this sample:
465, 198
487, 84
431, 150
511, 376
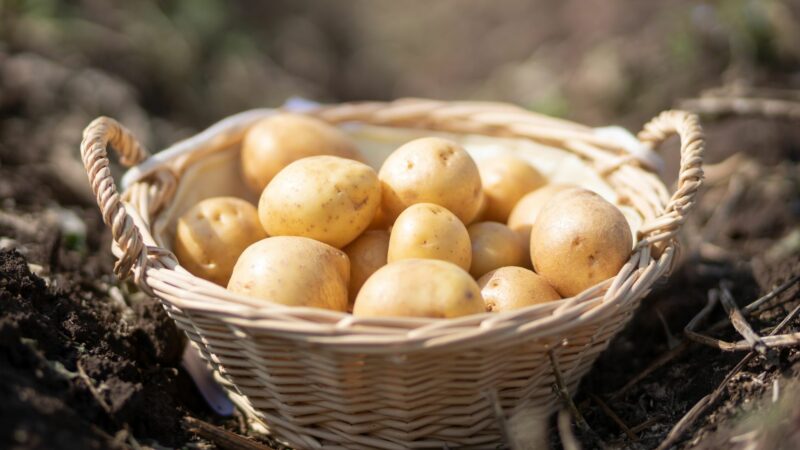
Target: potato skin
579, 240
505, 180
419, 288
276, 141
367, 254
494, 245
429, 231
326, 198
509, 288
527, 209
293, 271
479, 216
212, 234
431, 170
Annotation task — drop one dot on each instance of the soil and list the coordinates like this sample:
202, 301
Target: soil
68, 327
87, 362
51, 337
761, 216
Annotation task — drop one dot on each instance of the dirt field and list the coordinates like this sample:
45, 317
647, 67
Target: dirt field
86, 362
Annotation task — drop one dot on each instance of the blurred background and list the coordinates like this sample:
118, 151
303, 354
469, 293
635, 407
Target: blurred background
187, 63
167, 69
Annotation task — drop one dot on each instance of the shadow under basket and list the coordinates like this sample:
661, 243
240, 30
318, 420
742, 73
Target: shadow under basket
324, 379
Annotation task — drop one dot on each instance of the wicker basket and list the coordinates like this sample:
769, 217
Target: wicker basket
323, 379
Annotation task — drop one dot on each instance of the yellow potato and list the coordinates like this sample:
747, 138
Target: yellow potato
367, 254
505, 180
275, 142
430, 231
419, 288
510, 288
494, 245
479, 216
326, 198
527, 209
212, 233
579, 240
431, 170
293, 271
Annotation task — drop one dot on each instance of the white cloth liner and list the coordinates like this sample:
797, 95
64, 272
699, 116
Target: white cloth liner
634, 146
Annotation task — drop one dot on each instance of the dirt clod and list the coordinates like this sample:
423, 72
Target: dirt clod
45, 332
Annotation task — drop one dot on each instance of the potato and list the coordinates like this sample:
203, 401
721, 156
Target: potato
579, 240
293, 271
419, 288
431, 170
430, 231
212, 233
367, 254
479, 216
275, 142
494, 245
505, 180
380, 221
326, 198
510, 288
527, 209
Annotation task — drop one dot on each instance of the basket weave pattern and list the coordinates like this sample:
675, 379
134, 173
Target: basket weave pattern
326, 379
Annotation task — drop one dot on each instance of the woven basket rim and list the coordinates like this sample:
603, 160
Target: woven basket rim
156, 271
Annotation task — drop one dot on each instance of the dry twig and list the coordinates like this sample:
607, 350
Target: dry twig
782, 340
739, 89
221, 437
684, 345
772, 294
753, 106
613, 416
563, 393
106, 408
739, 322
93, 390
698, 409
752, 340
644, 425
672, 341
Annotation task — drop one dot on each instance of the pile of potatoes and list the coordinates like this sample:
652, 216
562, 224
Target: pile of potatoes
431, 234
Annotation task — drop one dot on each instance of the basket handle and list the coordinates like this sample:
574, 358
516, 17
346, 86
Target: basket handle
101, 133
690, 176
